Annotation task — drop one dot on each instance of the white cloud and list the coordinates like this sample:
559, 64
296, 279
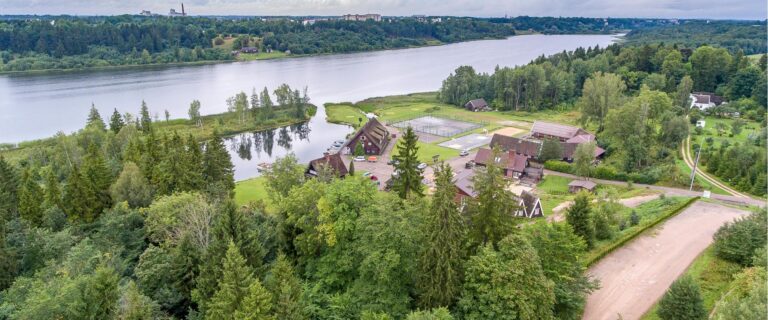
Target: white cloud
716, 9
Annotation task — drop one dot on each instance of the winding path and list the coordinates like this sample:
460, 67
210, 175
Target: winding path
635, 276
689, 161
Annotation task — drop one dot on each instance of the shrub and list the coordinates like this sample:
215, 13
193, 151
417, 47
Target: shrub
634, 219
738, 241
556, 165
682, 301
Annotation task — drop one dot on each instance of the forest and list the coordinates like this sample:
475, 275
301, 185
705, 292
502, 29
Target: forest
732, 35
649, 84
66, 42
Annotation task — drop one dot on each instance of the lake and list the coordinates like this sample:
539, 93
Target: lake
39, 105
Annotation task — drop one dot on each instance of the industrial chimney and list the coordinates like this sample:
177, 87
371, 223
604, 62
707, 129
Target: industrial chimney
183, 13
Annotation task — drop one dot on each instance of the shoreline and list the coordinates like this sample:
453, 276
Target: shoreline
291, 56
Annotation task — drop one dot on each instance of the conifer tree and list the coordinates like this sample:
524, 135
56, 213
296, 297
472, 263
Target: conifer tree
9, 186
145, 120
94, 119
218, 170
266, 103
408, 181
439, 279
52, 190
132, 187
351, 170
99, 297
194, 164
79, 198
682, 301
116, 122
236, 279
286, 290
30, 198
98, 176
173, 170
257, 304
579, 216
491, 211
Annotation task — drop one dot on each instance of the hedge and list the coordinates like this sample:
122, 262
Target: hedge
596, 256
603, 172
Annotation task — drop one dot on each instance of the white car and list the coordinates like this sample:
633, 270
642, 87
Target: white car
464, 153
421, 166
359, 159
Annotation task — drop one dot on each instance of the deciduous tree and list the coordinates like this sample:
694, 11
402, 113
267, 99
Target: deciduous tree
601, 93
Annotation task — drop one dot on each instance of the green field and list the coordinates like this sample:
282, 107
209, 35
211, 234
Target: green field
250, 190
427, 151
713, 276
344, 113
261, 56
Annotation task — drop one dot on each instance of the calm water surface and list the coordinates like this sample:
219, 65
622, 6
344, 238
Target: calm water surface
37, 106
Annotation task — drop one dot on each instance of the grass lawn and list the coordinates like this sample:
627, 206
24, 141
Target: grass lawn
261, 56
554, 184
252, 190
344, 113
713, 276
427, 151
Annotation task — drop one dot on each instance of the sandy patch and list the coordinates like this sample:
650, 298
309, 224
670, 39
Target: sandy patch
635, 276
510, 131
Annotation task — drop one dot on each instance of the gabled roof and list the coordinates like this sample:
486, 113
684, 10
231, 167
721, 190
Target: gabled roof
476, 104
707, 97
484, 155
556, 130
569, 149
525, 147
464, 182
582, 138
333, 160
529, 201
518, 163
376, 131
583, 184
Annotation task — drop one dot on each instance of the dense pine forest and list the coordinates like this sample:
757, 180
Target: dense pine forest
637, 99
748, 36
65, 42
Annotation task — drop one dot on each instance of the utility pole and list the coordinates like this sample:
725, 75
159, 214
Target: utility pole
695, 164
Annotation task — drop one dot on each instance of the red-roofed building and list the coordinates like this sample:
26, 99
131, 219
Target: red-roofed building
333, 160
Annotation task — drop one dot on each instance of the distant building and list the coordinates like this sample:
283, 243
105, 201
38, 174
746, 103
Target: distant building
705, 100
361, 17
146, 13
174, 13
477, 105
419, 17
249, 50
570, 137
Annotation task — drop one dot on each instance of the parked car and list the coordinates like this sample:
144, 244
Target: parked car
393, 162
470, 164
366, 174
464, 153
421, 166
339, 142
359, 159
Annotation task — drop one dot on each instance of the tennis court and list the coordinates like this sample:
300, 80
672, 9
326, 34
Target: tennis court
437, 126
467, 142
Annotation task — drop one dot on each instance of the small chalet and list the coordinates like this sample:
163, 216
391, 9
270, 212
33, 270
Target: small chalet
528, 148
333, 160
578, 185
705, 100
530, 206
477, 105
511, 163
373, 136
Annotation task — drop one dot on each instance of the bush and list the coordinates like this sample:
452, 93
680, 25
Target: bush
682, 301
559, 166
634, 219
738, 241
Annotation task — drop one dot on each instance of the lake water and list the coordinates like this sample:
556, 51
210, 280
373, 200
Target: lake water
39, 105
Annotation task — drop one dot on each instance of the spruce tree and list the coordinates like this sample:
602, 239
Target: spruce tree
172, 169
116, 122
491, 211
94, 120
79, 198
145, 120
52, 190
9, 186
235, 282
286, 290
408, 182
194, 164
99, 177
266, 104
440, 262
579, 216
257, 304
218, 170
99, 297
30, 198
682, 301
351, 170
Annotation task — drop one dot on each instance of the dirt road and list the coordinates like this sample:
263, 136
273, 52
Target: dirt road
633, 277
689, 161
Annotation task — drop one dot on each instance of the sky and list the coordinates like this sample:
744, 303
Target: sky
710, 9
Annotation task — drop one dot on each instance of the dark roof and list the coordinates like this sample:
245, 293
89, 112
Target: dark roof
582, 138
376, 131
583, 184
518, 163
569, 149
529, 201
706, 97
483, 156
556, 130
464, 182
334, 160
476, 104
529, 148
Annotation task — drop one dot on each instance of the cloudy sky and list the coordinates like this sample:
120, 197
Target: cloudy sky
715, 9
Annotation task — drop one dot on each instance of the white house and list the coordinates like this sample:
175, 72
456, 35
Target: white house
705, 100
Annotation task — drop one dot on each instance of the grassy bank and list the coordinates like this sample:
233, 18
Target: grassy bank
713, 276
